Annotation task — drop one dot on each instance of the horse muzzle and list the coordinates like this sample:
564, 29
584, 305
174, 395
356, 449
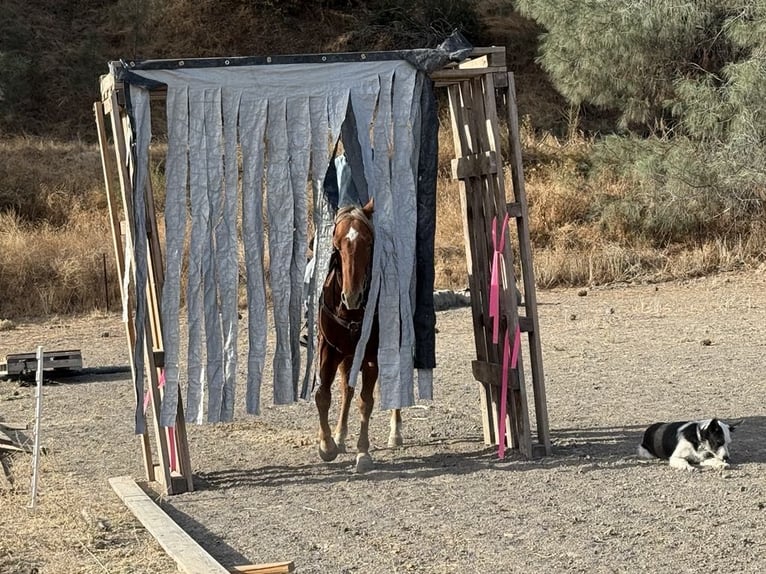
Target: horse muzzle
351, 301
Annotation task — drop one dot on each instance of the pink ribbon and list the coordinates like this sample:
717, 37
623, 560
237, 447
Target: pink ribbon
148, 394
172, 451
495, 278
513, 359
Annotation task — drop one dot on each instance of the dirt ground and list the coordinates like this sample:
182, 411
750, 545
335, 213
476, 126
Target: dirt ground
616, 360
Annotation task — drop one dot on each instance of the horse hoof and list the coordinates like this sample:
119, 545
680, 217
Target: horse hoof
340, 444
395, 441
330, 454
363, 462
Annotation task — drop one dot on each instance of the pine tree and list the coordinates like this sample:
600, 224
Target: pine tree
692, 75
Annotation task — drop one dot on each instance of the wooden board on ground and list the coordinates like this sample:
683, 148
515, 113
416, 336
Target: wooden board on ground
7, 443
190, 557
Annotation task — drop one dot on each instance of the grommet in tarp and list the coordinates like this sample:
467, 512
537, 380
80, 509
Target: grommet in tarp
268, 59
181, 63
132, 64
324, 58
226, 62
363, 56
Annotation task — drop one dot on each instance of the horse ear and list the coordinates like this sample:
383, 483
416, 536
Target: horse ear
370, 207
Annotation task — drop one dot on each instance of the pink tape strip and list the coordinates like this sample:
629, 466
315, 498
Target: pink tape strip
172, 451
148, 395
514, 360
495, 277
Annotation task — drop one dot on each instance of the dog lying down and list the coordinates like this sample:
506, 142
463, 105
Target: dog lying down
683, 444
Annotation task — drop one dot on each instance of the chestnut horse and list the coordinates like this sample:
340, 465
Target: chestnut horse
341, 310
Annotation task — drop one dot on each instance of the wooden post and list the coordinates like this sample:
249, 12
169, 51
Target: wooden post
173, 480
479, 169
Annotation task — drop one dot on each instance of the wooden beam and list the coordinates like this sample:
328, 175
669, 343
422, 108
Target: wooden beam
525, 252
462, 74
490, 374
475, 165
109, 169
190, 557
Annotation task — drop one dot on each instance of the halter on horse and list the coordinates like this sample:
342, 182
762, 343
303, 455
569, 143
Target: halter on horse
343, 302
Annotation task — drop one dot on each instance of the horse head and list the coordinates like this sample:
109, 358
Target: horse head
353, 239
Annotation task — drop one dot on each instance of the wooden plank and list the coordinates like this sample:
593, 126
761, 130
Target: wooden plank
490, 373
519, 401
514, 209
126, 185
472, 63
525, 249
14, 426
487, 207
190, 557
461, 74
461, 148
272, 568
475, 165
116, 224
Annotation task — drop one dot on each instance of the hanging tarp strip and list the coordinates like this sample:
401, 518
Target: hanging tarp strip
227, 252
175, 227
404, 215
138, 108
200, 217
285, 119
299, 148
213, 333
252, 130
363, 108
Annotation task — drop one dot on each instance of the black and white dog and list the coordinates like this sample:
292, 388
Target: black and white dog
691, 442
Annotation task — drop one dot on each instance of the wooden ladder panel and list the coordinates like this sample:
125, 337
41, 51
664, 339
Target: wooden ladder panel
173, 480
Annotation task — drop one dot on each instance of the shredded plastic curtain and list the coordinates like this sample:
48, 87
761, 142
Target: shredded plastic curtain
282, 123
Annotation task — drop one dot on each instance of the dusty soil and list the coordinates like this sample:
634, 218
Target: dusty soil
616, 360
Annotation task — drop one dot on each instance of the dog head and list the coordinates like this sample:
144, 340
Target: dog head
715, 437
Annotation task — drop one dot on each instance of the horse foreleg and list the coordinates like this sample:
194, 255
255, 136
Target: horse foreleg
395, 436
366, 402
347, 395
328, 365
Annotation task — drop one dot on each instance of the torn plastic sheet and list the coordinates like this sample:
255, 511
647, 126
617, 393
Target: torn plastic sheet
243, 109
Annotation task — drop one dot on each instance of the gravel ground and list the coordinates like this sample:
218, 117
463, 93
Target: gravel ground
615, 359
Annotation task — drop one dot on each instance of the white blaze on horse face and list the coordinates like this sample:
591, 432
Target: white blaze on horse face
352, 234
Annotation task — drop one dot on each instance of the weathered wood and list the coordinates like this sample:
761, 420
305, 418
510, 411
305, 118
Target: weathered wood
14, 426
9, 444
525, 249
463, 74
272, 568
490, 374
126, 188
521, 434
461, 144
513, 209
190, 557
481, 164
108, 168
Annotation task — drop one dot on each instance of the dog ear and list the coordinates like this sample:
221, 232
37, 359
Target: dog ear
734, 424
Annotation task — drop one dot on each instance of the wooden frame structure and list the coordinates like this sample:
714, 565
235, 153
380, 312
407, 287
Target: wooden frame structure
473, 87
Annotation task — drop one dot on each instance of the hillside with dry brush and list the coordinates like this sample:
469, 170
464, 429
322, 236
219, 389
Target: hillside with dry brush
592, 223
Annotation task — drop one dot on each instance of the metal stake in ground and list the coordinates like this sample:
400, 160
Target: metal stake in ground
38, 416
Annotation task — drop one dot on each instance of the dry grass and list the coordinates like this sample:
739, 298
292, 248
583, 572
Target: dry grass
55, 237
76, 527
45, 269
